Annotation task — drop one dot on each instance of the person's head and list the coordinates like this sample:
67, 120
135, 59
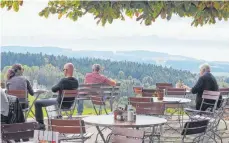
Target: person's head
96, 68
15, 70
68, 70
204, 68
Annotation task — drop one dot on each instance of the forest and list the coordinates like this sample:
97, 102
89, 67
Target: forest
46, 67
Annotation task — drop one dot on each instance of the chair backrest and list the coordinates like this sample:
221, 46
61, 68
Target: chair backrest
175, 92
123, 135
163, 85
18, 130
20, 94
154, 108
210, 95
224, 91
135, 100
195, 127
98, 89
68, 99
111, 90
98, 100
75, 126
148, 92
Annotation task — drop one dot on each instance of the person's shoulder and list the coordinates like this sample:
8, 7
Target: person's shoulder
88, 74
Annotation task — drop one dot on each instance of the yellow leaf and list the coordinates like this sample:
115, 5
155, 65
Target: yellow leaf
60, 15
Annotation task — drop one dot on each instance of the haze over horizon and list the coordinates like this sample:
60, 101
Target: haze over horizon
175, 37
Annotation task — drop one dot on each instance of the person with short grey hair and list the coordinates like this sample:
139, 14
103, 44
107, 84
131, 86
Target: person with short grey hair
206, 81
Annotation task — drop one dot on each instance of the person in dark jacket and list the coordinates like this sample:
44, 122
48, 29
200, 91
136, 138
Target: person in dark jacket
66, 83
206, 81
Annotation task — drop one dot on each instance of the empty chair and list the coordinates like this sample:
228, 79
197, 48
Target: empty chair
163, 85
18, 131
99, 101
76, 127
224, 91
123, 135
193, 128
175, 92
112, 93
153, 108
148, 92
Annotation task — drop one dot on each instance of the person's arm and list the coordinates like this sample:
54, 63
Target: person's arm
198, 87
29, 88
57, 87
110, 82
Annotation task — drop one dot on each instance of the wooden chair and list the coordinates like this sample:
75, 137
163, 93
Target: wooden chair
148, 92
123, 135
135, 100
153, 108
23, 99
175, 92
224, 91
69, 97
110, 93
163, 85
194, 128
99, 101
76, 127
18, 131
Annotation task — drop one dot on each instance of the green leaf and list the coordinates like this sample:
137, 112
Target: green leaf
46, 13
2, 3
187, 5
52, 10
60, 15
110, 20
16, 6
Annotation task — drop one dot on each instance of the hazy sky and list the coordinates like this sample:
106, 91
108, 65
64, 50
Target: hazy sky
26, 28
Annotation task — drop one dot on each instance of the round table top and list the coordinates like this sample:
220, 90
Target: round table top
172, 100
108, 121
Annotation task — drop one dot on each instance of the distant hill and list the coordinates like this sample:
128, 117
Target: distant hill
164, 59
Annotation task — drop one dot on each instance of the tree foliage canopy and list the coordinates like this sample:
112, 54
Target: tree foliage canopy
202, 12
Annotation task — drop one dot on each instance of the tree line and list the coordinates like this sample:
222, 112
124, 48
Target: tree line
50, 66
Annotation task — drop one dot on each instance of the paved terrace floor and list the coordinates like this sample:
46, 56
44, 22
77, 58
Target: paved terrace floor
169, 136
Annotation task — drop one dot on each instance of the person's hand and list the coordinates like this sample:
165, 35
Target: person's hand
186, 87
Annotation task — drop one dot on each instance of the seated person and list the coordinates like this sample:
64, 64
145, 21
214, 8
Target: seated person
206, 81
66, 83
94, 77
16, 81
4, 107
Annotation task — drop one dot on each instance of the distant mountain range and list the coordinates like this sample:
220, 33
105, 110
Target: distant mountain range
140, 56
